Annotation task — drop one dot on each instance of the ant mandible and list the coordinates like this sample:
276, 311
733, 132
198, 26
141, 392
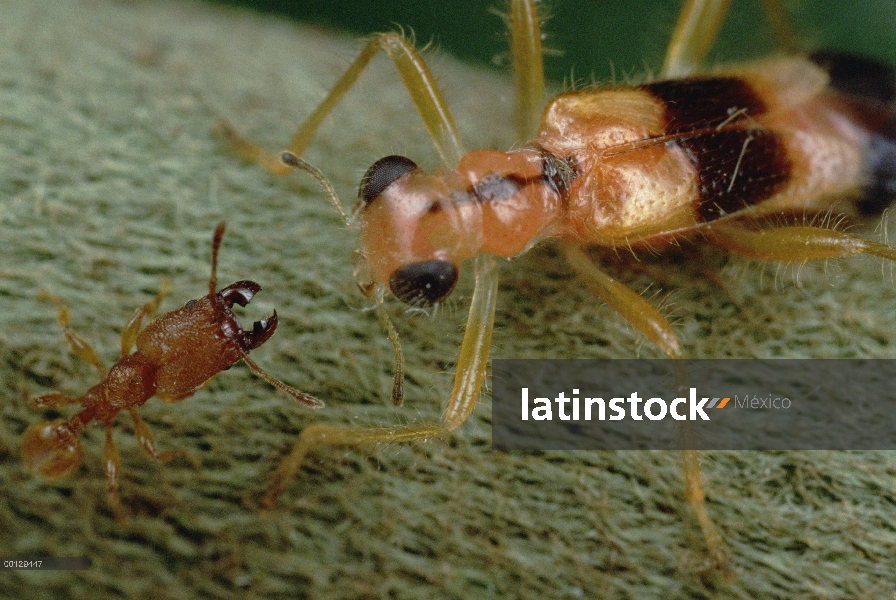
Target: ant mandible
730, 158
177, 355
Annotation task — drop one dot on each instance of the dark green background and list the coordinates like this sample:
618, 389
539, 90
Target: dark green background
592, 35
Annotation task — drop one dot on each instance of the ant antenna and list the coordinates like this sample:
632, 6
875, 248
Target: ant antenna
213, 286
216, 244
290, 159
301, 397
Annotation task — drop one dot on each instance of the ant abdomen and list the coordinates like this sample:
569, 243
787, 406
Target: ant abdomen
52, 449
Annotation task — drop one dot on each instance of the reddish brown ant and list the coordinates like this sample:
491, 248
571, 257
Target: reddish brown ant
177, 355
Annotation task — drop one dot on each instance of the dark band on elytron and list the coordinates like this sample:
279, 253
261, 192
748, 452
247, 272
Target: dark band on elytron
739, 164
705, 102
736, 169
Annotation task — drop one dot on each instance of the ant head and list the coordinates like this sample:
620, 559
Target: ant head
52, 449
204, 337
416, 229
240, 293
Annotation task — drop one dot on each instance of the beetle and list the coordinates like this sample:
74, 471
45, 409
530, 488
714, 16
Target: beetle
731, 158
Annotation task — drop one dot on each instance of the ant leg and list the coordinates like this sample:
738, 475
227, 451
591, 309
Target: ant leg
112, 461
80, 347
53, 400
645, 318
132, 327
468, 378
793, 242
144, 438
418, 80
695, 32
528, 66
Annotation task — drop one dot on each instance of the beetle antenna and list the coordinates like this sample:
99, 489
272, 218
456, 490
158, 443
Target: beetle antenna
398, 381
216, 244
292, 160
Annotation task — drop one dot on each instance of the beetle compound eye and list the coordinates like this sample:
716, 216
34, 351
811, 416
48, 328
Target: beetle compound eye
382, 174
423, 283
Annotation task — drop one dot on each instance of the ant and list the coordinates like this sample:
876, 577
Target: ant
177, 355
731, 159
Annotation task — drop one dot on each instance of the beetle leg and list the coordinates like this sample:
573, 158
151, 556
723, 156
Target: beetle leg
528, 66
793, 242
776, 15
695, 32
698, 27
633, 308
418, 80
648, 320
468, 378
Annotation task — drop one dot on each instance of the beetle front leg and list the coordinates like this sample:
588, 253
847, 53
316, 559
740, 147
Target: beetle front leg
418, 80
468, 378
